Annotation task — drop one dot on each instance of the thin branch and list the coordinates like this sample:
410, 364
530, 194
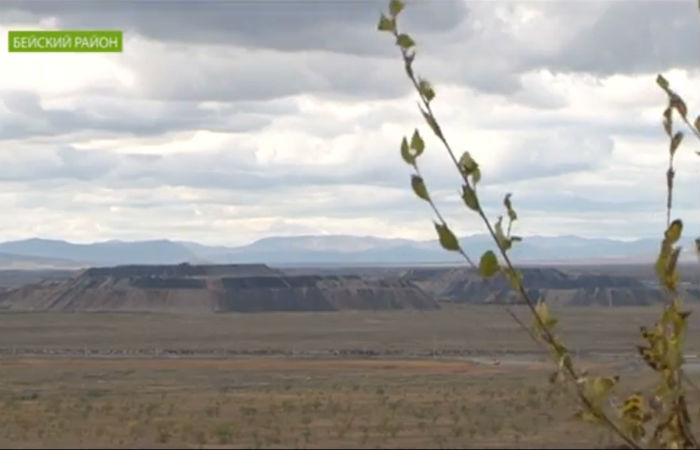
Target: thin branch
442, 220
692, 128
547, 334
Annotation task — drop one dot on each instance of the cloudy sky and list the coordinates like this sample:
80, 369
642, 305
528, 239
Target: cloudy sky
226, 121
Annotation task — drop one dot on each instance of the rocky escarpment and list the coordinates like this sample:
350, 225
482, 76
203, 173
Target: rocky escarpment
553, 285
220, 288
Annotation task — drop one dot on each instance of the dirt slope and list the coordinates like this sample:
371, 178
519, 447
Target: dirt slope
555, 286
205, 289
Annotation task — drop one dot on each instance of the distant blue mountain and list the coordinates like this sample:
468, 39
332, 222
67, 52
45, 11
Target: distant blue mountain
327, 249
101, 253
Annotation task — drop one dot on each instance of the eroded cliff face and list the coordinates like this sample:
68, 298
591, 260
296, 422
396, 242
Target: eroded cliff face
206, 289
553, 285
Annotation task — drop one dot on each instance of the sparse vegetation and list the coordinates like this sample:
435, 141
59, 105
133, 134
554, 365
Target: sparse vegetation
390, 400
434, 407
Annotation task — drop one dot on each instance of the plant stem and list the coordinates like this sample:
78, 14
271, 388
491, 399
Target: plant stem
548, 337
442, 220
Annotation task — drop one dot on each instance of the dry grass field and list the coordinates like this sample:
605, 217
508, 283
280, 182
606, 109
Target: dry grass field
239, 385
455, 329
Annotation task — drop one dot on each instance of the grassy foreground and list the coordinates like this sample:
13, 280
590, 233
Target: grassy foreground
281, 403
299, 391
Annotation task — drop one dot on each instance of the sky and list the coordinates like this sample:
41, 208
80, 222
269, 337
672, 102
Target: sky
223, 122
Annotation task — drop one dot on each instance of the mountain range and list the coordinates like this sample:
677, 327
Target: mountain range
323, 249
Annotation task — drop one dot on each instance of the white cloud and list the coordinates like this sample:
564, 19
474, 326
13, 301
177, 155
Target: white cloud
244, 133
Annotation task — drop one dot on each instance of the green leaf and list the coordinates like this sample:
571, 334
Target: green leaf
676, 141
476, 176
467, 163
662, 82
431, 123
668, 121
405, 41
470, 198
395, 7
417, 143
679, 104
509, 207
419, 187
426, 90
488, 265
469, 167
448, 241
406, 153
386, 24
408, 63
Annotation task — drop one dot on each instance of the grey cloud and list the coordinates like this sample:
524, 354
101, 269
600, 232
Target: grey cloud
635, 37
22, 102
631, 123
597, 37
340, 26
554, 154
533, 156
236, 74
28, 118
332, 47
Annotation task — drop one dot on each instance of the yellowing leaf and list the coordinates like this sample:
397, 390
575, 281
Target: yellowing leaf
673, 233
587, 416
514, 278
600, 386
543, 313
